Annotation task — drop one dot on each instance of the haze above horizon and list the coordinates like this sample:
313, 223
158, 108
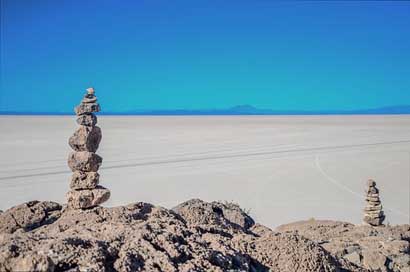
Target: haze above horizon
305, 56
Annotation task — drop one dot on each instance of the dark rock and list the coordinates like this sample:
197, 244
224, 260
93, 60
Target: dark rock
84, 161
89, 120
371, 183
373, 199
89, 99
374, 221
87, 108
86, 139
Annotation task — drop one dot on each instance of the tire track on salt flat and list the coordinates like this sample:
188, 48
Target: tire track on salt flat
192, 159
347, 189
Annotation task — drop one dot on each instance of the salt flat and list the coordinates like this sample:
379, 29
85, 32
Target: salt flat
281, 168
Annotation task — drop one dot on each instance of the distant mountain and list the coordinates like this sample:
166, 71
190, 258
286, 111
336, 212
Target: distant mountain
251, 110
400, 109
237, 110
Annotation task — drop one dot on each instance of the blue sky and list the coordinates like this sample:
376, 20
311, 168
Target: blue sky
204, 54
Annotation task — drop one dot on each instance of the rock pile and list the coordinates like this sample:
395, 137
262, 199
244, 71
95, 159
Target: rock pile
373, 212
85, 191
195, 236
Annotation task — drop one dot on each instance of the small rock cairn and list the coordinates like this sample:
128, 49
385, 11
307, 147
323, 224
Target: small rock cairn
373, 212
85, 191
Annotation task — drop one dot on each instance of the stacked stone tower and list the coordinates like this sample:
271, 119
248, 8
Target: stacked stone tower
84, 189
373, 212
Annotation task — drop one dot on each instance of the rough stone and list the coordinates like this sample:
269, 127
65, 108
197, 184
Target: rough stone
84, 161
84, 199
31, 262
367, 241
353, 257
373, 208
373, 211
373, 199
397, 246
29, 215
373, 221
374, 260
91, 99
372, 190
86, 108
84, 180
371, 183
86, 139
143, 237
198, 212
87, 120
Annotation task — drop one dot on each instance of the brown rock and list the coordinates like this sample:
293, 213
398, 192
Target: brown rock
84, 180
372, 190
373, 199
88, 100
84, 199
87, 120
29, 215
353, 257
371, 183
31, 262
374, 260
397, 246
87, 108
373, 195
373, 221
143, 237
84, 161
374, 213
198, 212
373, 208
86, 139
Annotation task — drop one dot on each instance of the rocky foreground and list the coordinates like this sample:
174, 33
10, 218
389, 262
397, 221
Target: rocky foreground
194, 236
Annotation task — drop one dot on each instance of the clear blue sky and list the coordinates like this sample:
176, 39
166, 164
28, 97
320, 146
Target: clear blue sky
156, 54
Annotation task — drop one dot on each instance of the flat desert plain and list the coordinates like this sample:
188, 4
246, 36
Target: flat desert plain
279, 168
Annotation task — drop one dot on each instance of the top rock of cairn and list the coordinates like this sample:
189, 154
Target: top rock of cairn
373, 212
88, 104
85, 189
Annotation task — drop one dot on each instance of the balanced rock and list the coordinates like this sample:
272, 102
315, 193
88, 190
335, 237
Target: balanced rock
85, 191
85, 139
89, 99
373, 212
84, 161
86, 108
87, 120
84, 180
83, 199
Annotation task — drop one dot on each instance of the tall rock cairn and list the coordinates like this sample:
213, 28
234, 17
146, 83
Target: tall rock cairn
373, 212
84, 189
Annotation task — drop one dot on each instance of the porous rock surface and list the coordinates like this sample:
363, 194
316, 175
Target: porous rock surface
84, 161
383, 248
84, 180
87, 198
194, 236
85, 138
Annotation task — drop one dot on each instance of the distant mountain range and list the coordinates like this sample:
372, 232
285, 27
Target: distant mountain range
238, 110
